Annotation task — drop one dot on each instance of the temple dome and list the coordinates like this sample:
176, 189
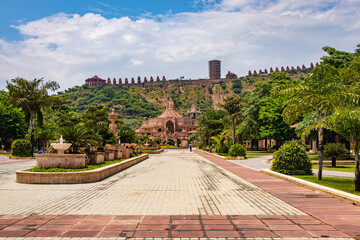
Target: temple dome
170, 111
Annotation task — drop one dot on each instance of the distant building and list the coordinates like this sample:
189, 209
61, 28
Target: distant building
95, 81
214, 69
231, 75
170, 126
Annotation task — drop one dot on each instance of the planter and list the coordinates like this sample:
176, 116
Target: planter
76, 177
109, 155
118, 154
60, 160
98, 157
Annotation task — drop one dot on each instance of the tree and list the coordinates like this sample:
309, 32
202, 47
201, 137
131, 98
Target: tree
31, 97
346, 122
320, 92
126, 134
220, 141
12, 124
334, 150
273, 125
233, 107
211, 123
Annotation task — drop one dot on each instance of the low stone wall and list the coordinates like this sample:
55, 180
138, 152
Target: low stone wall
154, 152
76, 177
60, 160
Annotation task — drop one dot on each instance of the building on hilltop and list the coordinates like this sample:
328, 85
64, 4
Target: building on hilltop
95, 81
170, 126
231, 75
214, 69
193, 112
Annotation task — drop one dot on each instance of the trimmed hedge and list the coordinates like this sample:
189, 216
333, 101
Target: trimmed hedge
291, 159
237, 150
21, 148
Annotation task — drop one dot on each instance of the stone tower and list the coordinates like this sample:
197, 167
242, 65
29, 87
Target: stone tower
214, 69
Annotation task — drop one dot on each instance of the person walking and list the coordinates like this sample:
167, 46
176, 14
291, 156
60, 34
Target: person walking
190, 146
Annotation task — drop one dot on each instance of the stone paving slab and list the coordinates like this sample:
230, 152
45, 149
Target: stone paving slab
173, 226
171, 183
337, 214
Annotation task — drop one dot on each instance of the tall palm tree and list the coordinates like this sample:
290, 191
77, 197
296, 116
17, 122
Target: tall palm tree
233, 107
320, 92
31, 97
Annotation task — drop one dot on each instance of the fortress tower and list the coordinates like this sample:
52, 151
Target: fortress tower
214, 69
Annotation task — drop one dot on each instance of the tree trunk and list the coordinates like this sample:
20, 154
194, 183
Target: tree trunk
321, 152
265, 144
32, 125
333, 161
357, 172
233, 132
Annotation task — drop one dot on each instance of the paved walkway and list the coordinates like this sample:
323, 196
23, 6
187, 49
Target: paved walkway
176, 182
174, 194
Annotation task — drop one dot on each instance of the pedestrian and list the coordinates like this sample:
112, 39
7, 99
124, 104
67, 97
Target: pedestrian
190, 146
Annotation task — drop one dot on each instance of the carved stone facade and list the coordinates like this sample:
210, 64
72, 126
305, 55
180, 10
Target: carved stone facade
170, 125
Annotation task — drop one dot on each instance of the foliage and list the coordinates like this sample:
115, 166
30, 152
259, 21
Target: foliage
320, 92
78, 137
334, 151
291, 159
346, 122
44, 134
211, 123
337, 58
31, 97
236, 86
273, 125
21, 148
12, 124
220, 145
126, 134
237, 150
233, 107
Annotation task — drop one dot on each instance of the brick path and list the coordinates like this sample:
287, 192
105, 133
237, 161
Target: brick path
150, 199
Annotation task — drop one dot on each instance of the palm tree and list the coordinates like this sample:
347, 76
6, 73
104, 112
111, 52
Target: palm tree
233, 107
32, 97
220, 141
346, 122
320, 92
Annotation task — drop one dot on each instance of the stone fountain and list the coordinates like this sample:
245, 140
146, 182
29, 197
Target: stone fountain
60, 159
61, 147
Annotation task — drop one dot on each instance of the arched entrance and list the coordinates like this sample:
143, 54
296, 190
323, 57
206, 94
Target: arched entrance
170, 142
170, 127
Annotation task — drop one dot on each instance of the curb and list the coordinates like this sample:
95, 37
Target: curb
219, 156
316, 187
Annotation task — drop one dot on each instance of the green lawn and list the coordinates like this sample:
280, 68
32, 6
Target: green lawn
6, 154
343, 184
339, 168
86, 168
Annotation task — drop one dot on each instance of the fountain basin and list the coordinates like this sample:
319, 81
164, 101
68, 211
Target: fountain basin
61, 147
60, 160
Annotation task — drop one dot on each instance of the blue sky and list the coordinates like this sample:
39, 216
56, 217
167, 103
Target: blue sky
14, 12
69, 41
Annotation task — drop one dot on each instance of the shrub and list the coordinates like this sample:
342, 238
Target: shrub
291, 159
237, 150
21, 148
201, 145
334, 151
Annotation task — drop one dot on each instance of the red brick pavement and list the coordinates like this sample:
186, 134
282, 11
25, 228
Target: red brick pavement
164, 226
325, 210
328, 217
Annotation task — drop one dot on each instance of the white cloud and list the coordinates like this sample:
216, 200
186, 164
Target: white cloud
242, 34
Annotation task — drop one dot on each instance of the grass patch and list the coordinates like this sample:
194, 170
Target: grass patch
343, 184
170, 147
315, 157
151, 150
6, 154
338, 168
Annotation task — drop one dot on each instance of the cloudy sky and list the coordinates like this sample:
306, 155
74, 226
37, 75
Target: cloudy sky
69, 41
